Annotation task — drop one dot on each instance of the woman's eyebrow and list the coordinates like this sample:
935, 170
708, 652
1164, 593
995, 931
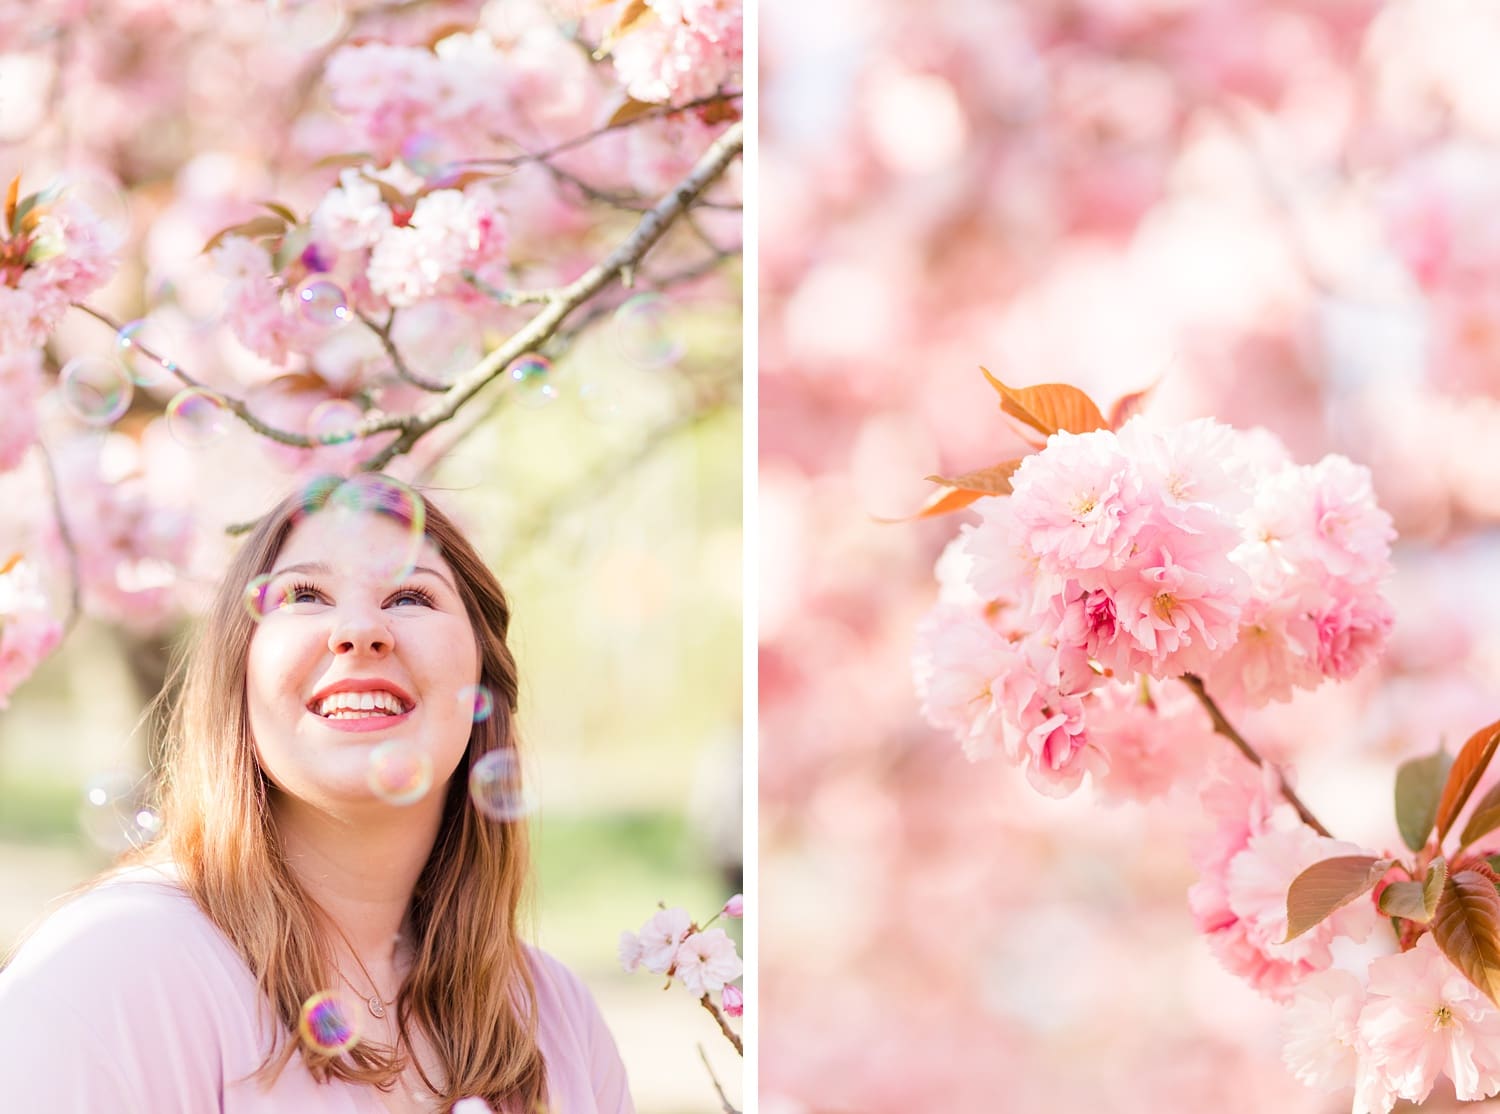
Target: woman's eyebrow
320, 568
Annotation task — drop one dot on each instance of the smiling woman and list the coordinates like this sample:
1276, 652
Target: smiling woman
327, 919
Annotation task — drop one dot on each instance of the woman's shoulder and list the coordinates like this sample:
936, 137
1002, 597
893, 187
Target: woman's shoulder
129, 917
584, 1070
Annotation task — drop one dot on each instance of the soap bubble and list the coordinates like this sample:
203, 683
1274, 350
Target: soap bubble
323, 302
532, 375
400, 773
331, 1022
96, 391
496, 788
196, 418
642, 333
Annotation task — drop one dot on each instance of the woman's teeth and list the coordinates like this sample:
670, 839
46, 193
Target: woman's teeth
359, 705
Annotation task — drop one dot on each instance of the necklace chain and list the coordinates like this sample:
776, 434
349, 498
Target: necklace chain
373, 1002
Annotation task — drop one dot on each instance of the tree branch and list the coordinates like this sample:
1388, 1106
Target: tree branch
531, 335
723, 1098
406, 373
734, 1038
75, 581
1223, 727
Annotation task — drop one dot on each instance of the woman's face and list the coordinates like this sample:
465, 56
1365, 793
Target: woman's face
347, 636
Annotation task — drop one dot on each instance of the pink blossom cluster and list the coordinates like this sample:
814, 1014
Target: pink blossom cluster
1393, 1030
681, 50
1247, 861
1149, 553
28, 630
703, 960
428, 105
369, 254
130, 549
68, 254
20, 387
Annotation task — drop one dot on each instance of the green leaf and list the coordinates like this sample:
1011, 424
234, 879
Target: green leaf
1467, 928
292, 245
1415, 901
1467, 769
1327, 886
1419, 785
30, 208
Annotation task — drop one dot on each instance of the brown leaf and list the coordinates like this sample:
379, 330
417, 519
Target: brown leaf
1468, 768
1128, 406
252, 229
349, 158
281, 211
632, 109
1467, 928
10, 562
12, 195
634, 11
440, 33
994, 480
1328, 886
1419, 786
1049, 407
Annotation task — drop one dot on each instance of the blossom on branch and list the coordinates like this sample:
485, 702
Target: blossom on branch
54, 250
28, 630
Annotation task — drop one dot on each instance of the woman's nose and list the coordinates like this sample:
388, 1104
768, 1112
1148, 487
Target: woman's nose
360, 631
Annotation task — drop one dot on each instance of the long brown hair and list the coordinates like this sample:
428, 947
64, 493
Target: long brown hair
469, 989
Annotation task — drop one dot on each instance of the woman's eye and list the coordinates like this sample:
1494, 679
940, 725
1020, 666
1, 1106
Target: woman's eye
301, 593
412, 595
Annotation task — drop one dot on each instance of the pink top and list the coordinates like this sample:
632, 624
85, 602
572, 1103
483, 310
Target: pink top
128, 1000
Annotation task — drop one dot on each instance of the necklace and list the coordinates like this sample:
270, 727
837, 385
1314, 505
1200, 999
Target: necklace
373, 1002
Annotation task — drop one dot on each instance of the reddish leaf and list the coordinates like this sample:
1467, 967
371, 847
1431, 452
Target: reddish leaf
252, 229
945, 500
1484, 819
1467, 928
994, 480
1049, 407
12, 195
350, 158
390, 194
1328, 886
1419, 785
632, 109
1415, 901
1468, 768
1128, 406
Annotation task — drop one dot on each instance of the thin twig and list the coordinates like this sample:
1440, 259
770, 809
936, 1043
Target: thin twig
588, 137
723, 1098
406, 373
530, 336
734, 1038
1223, 727
75, 580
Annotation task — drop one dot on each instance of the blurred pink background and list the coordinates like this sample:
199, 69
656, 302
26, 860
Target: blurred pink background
1281, 214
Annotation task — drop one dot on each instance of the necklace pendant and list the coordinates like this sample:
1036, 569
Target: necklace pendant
377, 1008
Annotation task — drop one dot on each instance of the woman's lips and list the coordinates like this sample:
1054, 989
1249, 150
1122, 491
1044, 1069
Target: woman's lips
359, 724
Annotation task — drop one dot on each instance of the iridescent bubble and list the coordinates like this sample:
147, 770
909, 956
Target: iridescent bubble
102, 192
642, 333
331, 1021
333, 423
196, 418
600, 398
533, 378
306, 24
496, 788
323, 302
131, 344
477, 700
400, 773
116, 814
94, 390
259, 600
374, 494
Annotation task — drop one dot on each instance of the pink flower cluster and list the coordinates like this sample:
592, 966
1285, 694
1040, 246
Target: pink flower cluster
683, 50
20, 387
1414, 1018
67, 255
1257, 846
1149, 553
365, 254
703, 960
28, 631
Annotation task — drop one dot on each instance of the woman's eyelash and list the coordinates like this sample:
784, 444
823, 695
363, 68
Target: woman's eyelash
421, 593
297, 589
